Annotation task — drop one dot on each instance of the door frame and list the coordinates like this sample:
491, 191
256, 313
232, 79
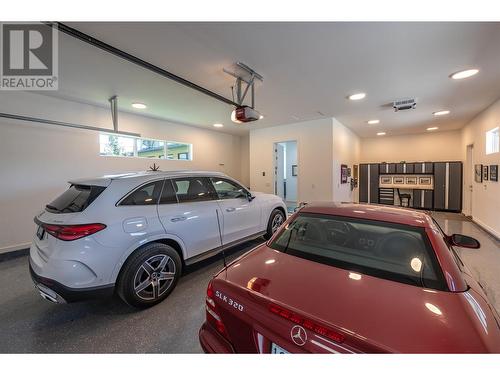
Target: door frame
468, 185
298, 166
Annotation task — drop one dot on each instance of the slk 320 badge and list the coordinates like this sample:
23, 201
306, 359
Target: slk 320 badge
229, 301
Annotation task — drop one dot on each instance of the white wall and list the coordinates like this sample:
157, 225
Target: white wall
485, 196
245, 160
322, 146
431, 146
346, 150
37, 160
314, 147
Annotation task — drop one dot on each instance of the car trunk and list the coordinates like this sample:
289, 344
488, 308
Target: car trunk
371, 314
64, 210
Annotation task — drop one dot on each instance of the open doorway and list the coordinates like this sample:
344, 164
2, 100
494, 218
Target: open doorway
286, 172
468, 180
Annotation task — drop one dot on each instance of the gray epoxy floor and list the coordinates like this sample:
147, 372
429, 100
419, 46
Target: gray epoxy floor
29, 324
484, 263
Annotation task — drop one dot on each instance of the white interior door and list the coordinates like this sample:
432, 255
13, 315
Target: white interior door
279, 162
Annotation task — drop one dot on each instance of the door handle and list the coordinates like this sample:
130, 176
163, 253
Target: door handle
178, 218
230, 209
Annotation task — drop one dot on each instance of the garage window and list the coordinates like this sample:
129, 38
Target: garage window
179, 151
492, 141
150, 148
117, 145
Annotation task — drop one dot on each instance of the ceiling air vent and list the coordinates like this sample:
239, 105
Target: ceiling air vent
404, 104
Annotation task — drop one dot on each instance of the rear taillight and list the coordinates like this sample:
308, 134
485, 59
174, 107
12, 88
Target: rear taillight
307, 323
213, 317
72, 232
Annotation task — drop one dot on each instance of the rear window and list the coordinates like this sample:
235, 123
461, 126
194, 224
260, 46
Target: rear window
76, 199
384, 250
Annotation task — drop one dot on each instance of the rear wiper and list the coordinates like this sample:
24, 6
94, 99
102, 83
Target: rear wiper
50, 207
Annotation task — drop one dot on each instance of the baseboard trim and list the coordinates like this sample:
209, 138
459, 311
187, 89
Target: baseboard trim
20, 246
486, 229
14, 254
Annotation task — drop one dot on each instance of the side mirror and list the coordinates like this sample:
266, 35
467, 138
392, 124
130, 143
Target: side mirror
464, 241
250, 196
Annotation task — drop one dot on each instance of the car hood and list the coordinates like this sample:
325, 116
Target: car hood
387, 314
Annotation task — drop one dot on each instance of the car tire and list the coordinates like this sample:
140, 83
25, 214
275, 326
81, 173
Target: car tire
149, 275
275, 220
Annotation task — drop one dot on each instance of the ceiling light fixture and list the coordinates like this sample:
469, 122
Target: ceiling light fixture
441, 113
381, 133
357, 96
464, 74
139, 105
373, 122
433, 128
218, 125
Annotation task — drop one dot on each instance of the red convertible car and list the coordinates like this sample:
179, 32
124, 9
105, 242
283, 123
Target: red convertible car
350, 278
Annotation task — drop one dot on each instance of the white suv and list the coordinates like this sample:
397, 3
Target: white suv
134, 232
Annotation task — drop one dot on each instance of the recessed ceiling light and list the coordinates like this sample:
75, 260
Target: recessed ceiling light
441, 113
218, 125
433, 128
373, 122
357, 96
139, 105
261, 117
464, 74
381, 133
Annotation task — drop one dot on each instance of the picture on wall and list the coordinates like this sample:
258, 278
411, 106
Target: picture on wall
478, 173
485, 173
411, 180
386, 180
424, 181
294, 170
343, 174
399, 180
493, 172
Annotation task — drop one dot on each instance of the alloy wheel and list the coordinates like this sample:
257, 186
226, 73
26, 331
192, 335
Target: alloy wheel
277, 221
154, 277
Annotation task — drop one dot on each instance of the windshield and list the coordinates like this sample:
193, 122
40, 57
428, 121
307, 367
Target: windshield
384, 250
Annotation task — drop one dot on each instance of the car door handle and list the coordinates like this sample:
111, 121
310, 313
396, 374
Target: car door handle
178, 218
230, 209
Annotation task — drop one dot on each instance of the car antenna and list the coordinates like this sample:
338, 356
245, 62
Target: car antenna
220, 236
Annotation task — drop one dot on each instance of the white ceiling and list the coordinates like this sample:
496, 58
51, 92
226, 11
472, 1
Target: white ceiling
308, 69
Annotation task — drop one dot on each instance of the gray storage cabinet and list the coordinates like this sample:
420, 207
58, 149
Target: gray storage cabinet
448, 186
368, 183
422, 199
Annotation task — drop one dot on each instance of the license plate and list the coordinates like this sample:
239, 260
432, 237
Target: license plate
276, 349
40, 232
